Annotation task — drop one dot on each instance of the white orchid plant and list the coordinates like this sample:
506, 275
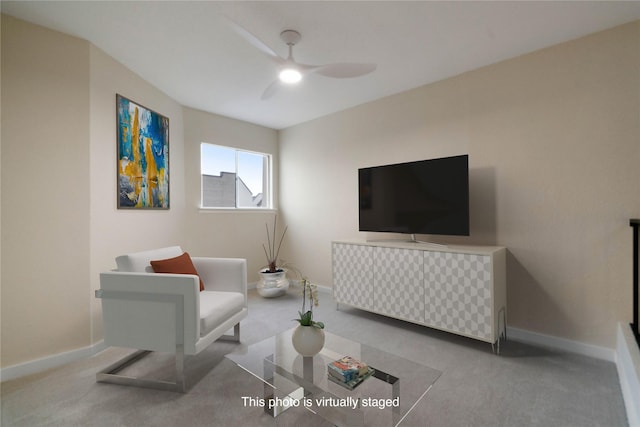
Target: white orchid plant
310, 292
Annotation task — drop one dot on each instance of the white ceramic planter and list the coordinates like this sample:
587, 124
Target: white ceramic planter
308, 340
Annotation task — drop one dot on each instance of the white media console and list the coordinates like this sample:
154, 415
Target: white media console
458, 289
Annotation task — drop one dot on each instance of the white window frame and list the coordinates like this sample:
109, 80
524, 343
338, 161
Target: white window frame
267, 180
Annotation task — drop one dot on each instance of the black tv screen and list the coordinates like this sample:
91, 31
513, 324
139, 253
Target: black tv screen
422, 197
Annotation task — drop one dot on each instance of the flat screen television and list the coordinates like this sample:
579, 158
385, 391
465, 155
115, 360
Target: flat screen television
421, 197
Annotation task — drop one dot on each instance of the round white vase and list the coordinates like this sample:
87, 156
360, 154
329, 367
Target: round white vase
308, 340
272, 285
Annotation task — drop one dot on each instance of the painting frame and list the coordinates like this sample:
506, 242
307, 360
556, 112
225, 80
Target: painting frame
142, 156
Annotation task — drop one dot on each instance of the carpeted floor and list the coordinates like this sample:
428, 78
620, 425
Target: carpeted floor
524, 386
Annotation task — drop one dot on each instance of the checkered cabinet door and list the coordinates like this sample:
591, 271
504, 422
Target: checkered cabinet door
353, 275
459, 293
399, 283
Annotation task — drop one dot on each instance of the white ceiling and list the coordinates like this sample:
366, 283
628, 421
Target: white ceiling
189, 50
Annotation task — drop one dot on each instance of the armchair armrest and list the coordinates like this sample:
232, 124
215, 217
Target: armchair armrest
223, 274
150, 311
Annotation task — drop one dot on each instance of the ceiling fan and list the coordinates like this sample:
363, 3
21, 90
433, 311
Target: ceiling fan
292, 72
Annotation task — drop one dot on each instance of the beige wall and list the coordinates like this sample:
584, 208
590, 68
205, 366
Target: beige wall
60, 222
218, 232
555, 166
45, 192
553, 140
117, 231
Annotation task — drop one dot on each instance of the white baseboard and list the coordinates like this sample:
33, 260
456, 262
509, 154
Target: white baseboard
563, 344
325, 290
626, 356
40, 365
628, 363
321, 288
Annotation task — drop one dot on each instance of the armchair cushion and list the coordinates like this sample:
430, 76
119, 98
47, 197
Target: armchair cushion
216, 307
181, 264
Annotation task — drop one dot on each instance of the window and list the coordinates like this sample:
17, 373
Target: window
233, 178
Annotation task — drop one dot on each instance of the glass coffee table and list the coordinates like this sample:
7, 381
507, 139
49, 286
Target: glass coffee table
290, 380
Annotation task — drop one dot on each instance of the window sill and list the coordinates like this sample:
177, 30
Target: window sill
236, 210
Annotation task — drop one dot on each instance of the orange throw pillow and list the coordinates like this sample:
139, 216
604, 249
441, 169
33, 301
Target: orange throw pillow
179, 265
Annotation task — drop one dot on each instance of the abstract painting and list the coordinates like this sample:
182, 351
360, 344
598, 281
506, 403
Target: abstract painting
143, 157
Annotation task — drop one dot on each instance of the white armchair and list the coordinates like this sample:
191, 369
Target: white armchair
167, 312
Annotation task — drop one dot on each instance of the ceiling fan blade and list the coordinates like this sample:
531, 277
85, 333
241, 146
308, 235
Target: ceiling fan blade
271, 90
253, 39
344, 70
306, 68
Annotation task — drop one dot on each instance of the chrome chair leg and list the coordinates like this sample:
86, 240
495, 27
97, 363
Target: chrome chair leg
111, 373
236, 334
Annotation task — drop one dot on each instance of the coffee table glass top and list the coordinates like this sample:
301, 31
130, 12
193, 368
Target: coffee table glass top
290, 380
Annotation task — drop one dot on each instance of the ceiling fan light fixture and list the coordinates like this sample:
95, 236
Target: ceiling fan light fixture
290, 75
